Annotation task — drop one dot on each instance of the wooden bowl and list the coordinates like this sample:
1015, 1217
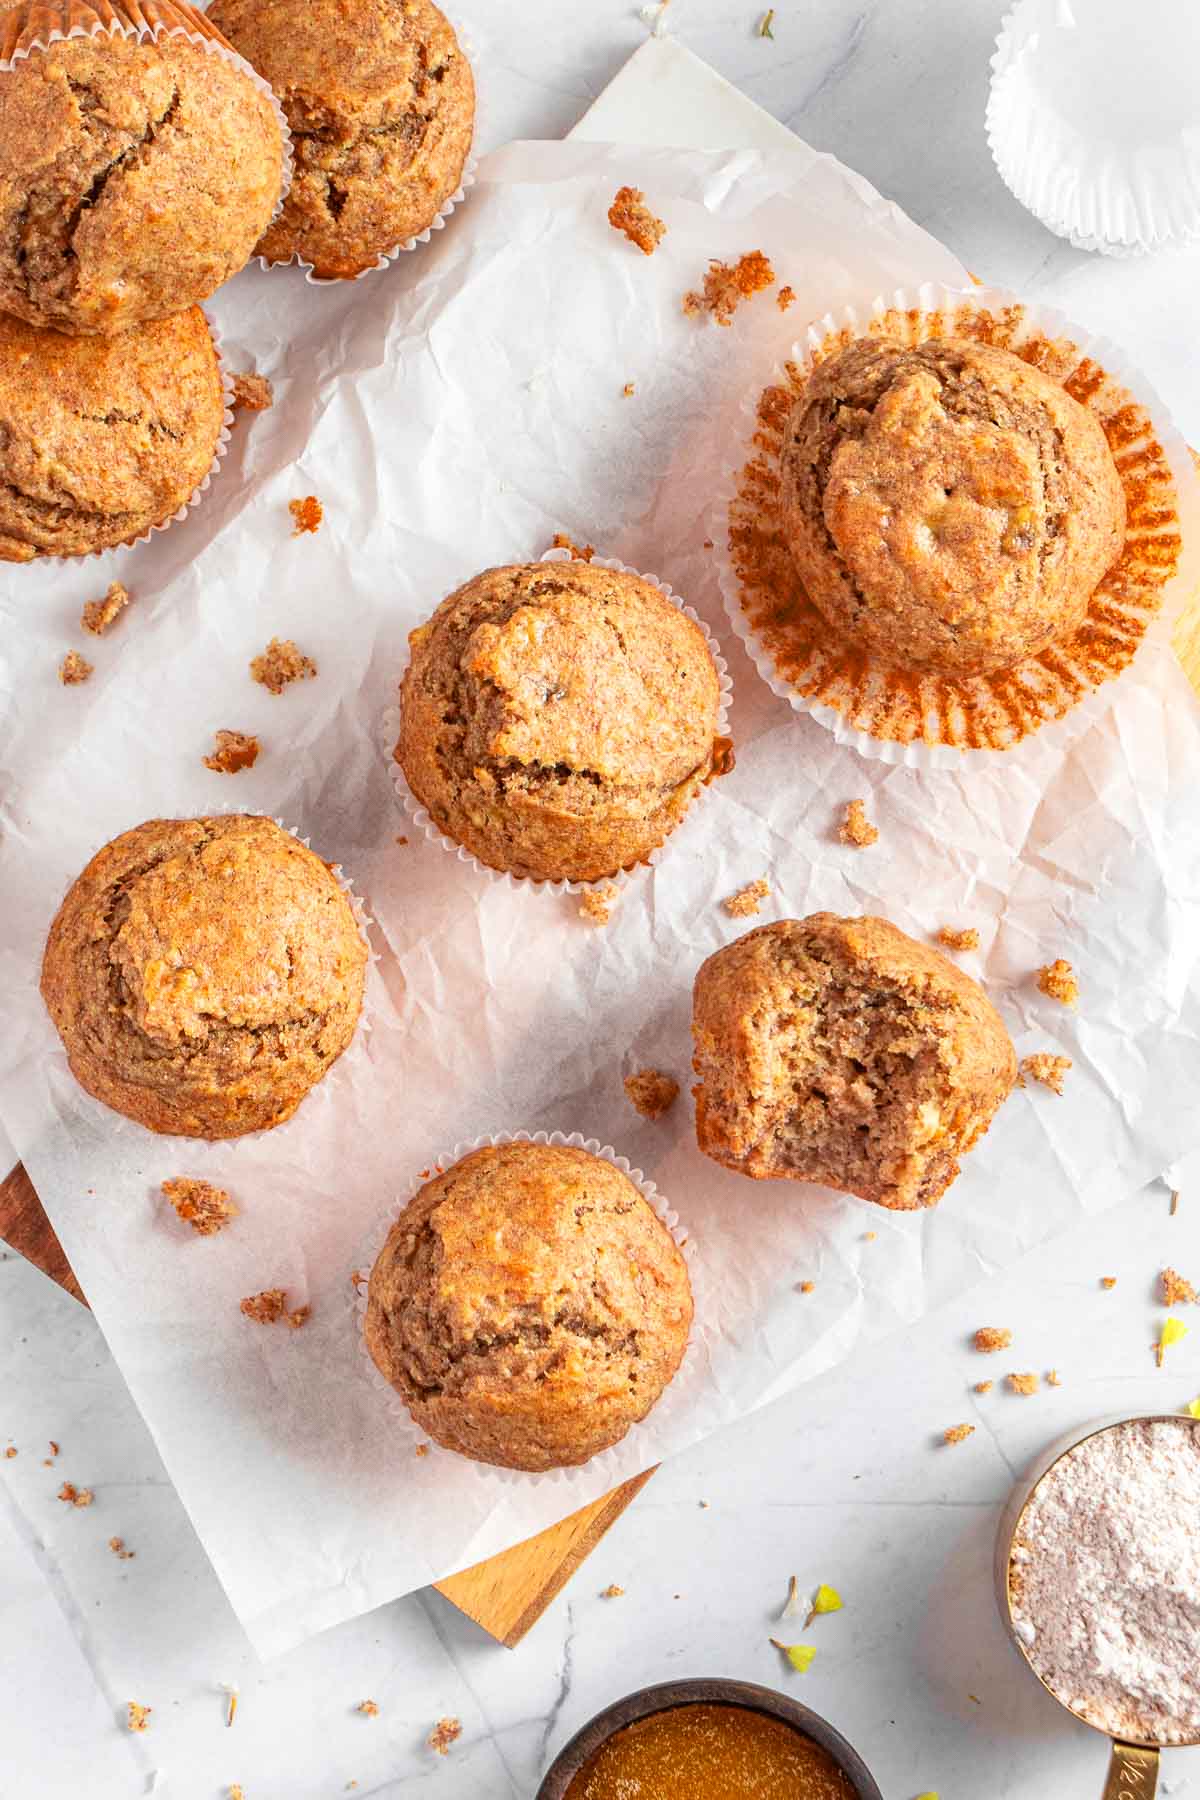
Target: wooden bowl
718, 1692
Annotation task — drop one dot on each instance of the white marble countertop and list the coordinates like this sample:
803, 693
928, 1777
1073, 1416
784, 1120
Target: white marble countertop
844, 1482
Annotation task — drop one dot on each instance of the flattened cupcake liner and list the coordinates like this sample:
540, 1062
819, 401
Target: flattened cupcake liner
419, 816
927, 721
676, 1398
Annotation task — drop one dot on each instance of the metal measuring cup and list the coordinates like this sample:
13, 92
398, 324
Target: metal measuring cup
1133, 1763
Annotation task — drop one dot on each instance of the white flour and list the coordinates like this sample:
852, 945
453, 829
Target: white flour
1106, 1580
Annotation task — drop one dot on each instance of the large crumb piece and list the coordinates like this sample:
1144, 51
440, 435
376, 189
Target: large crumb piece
1058, 981
98, 615
992, 1337
307, 514
1047, 1069
280, 663
579, 552
270, 1306
957, 1434
207, 1209
726, 285
785, 297
444, 1733
954, 939
597, 904
368, 1709
235, 750
71, 1495
1024, 1384
139, 1716
119, 1548
746, 902
630, 214
1176, 1291
984, 1387
74, 669
856, 828
252, 393
651, 1093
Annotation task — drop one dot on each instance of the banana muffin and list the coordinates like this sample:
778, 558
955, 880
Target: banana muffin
949, 507
381, 104
135, 177
841, 1052
204, 974
529, 1306
558, 719
101, 438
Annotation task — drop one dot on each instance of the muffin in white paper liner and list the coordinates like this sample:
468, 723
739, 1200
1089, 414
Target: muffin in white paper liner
1092, 120
675, 1399
929, 721
419, 815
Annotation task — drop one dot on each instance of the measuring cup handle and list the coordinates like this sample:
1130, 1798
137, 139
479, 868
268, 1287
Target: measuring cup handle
1132, 1773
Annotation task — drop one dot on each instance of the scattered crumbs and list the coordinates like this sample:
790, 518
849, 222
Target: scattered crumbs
270, 1306
98, 615
117, 1546
368, 1709
70, 1495
280, 663
300, 1317
799, 1655
597, 904
953, 939
307, 513
1047, 1069
402, 841
252, 393
806, 1287
1108, 1281
727, 285
1176, 1291
651, 1093
139, 1716
746, 902
1053, 1378
421, 1450
11, 1452
207, 1209
235, 750
74, 668
611, 1592
1173, 1332
1024, 1384
984, 1387
444, 1733
579, 552
957, 1434
629, 390
785, 297
1057, 980
992, 1337
630, 214
856, 828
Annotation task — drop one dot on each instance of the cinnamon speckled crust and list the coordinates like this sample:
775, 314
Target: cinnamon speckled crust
135, 177
840, 1051
381, 103
949, 507
529, 1306
204, 974
558, 718
101, 438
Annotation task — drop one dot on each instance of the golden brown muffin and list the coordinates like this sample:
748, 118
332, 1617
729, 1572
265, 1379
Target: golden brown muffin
135, 177
204, 974
948, 506
529, 1306
840, 1051
381, 103
101, 438
558, 718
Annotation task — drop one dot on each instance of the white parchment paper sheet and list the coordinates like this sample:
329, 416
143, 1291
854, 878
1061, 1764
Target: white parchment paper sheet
451, 414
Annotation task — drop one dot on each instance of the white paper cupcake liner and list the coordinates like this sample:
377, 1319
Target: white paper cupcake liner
613, 1464
1088, 190
419, 816
1162, 493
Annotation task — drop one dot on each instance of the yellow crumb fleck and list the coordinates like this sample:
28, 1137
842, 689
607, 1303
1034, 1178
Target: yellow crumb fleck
726, 285
1053, 1378
597, 904
957, 1434
611, 1592
1047, 1069
139, 1716
280, 663
307, 513
205, 1208
117, 1546
75, 1496
237, 1792
368, 1709
992, 1337
74, 669
856, 828
630, 214
444, 1733
1057, 980
954, 939
1024, 1384
629, 390
785, 298
579, 552
746, 902
98, 615
1108, 1281
984, 1387
869, 1237
1176, 1291
235, 750
252, 393
651, 1093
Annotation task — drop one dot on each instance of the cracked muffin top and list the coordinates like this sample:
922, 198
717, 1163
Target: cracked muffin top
948, 506
558, 718
529, 1306
203, 974
381, 104
101, 438
135, 177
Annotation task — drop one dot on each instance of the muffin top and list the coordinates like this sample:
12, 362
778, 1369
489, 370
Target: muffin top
529, 1306
135, 177
558, 717
204, 973
381, 103
949, 507
101, 438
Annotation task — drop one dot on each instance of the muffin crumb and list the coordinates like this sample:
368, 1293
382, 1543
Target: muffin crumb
444, 1733
421, 1450
235, 750
629, 390
1108, 1281
207, 1209
579, 552
280, 663
611, 1592
1047, 1069
270, 1306
726, 285
630, 214
856, 828
984, 1387
118, 1548
368, 1709
74, 669
98, 615
992, 1337
651, 1093
138, 1716
746, 902
1057, 980
307, 514
954, 939
957, 1434
1024, 1384
252, 393
785, 298
71, 1495
1053, 1378
1176, 1291
11, 1451
598, 904
807, 1287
